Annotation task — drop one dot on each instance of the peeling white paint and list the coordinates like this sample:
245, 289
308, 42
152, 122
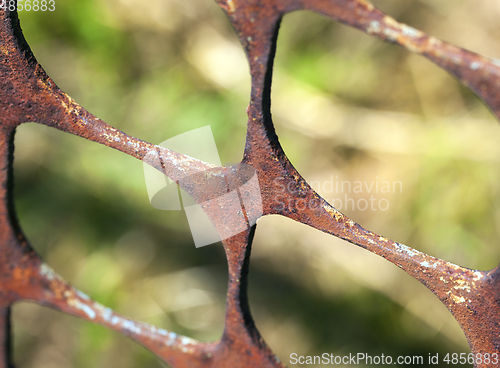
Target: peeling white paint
371, 241
107, 314
454, 266
475, 65
187, 341
462, 285
391, 34
104, 312
82, 295
83, 307
429, 265
131, 326
47, 272
410, 31
457, 299
478, 275
171, 338
332, 211
406, 249
374, 27
162, 332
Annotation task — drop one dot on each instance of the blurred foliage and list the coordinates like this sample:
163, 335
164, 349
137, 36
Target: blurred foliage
347, 108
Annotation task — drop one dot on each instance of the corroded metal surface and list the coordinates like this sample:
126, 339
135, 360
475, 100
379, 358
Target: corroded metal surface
28, 94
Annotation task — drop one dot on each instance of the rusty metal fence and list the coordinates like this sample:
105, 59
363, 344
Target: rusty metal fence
28, 94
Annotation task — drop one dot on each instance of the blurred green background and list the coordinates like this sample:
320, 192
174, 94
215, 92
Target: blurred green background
347, 107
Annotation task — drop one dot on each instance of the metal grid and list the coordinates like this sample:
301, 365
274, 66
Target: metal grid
28, 94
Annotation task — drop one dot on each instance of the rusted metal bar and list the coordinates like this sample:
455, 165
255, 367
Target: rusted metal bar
28, 94
5, 338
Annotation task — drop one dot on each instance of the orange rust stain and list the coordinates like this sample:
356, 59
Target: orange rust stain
21, 274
